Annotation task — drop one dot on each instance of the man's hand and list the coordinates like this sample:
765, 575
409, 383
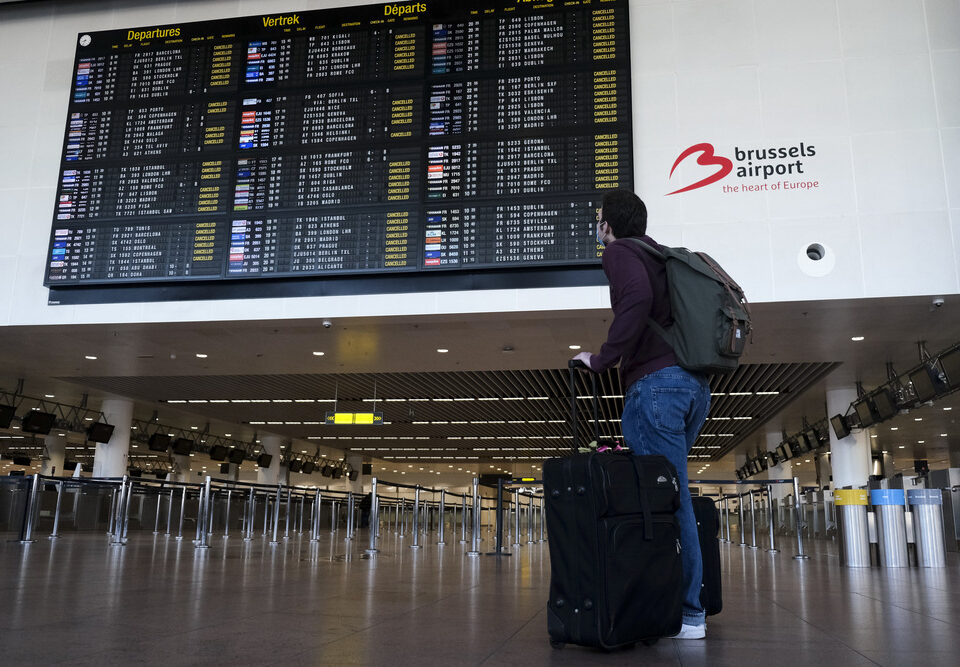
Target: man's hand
585, 358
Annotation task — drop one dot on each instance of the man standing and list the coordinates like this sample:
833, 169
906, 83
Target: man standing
665, 405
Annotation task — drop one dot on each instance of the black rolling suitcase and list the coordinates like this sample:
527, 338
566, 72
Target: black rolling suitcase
614, 547
708, 524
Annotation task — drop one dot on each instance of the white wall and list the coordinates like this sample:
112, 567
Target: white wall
873, 85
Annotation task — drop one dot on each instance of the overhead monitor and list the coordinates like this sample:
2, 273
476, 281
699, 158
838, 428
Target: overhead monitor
840, 426
293, 465
135, 472
218, 453
183, 446
69, 465
924, 380
782, 452
464, 144
100, 432
6, 415
37, 422
353, 475
21, 460
950, 362
264, 460
236, 455
224, 468
159, 442
885, 404
864, 412
327, 471
308, 467
337, 473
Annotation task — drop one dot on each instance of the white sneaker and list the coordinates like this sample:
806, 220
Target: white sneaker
691, 632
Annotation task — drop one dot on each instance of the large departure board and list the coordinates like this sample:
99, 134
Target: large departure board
417, 137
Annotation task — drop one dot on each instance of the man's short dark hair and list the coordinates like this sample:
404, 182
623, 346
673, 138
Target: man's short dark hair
625, 212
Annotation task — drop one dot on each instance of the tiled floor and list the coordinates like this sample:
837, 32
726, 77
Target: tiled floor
79, 601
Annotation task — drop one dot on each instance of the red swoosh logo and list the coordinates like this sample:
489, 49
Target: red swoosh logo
707, 158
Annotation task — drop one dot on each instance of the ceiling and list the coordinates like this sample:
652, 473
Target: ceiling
799, 350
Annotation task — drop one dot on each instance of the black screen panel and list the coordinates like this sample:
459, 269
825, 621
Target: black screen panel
342, 143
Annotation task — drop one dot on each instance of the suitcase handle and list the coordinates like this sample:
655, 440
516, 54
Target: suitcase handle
574, 365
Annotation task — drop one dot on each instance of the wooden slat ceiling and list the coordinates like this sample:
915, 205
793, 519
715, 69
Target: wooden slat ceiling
474, 415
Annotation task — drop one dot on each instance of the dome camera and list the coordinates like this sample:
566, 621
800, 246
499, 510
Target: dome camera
938, 302
327, 324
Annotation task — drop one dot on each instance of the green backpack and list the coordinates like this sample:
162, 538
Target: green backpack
711, 316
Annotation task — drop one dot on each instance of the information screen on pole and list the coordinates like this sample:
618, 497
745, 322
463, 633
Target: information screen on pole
417, 138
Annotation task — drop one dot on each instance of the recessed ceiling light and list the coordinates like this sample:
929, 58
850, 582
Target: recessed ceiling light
920, 442
902, 447
226, 435
885, 452
319, 354
442, 350
918, 419
90, 357
201, 355
857, 339
874, 435
48, 396
894, 428
943, 435
574, 347
948, 408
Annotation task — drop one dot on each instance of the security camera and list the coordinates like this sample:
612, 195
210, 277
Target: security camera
938, 302
327, 324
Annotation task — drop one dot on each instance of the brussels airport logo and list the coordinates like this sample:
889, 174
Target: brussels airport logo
751, 169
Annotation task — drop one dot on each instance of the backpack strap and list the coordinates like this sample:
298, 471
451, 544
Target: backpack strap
663, 258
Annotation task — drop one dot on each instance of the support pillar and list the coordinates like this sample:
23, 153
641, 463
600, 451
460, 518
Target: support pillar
183, 469
111, 459
276, 473
56, 446
849, 457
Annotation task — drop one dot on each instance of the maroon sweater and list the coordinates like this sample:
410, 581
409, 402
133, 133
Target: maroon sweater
638, 290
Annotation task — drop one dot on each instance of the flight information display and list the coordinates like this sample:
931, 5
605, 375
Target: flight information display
414, 137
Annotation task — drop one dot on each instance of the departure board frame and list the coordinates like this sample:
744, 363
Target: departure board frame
373, 149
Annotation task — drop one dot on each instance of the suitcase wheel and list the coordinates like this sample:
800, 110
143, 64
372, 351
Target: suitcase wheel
557, 644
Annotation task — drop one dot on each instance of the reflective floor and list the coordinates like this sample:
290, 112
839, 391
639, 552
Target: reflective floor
78, 600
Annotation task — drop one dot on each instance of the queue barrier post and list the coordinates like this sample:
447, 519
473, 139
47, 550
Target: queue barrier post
374, 520
475, 520
416, 519
56, 514
799, 519
440, 539
773, 544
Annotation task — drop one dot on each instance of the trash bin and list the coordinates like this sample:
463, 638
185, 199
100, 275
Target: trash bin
852, 519
891, 526
926, 505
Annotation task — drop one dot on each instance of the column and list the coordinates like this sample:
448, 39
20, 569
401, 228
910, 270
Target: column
849, 457
56, 446
783, 470
183, 469
111, 458
233, 473
276, 473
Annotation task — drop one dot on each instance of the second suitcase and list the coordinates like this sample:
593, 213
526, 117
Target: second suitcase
708, 523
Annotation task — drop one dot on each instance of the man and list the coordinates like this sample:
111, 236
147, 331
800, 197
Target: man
664, 406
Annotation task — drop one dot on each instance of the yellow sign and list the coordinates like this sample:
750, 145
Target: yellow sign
850, 497
354, 418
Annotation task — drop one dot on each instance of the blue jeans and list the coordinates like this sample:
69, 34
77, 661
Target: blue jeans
662, 414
